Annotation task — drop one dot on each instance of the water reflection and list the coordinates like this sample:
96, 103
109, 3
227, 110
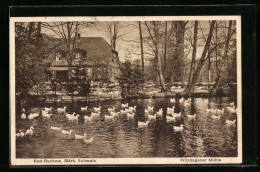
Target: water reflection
202, 136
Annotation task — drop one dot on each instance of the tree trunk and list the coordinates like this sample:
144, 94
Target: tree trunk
165, 48
202, 59
223, 76
141, 45
193, 59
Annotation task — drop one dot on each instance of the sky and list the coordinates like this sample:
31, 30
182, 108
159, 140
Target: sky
130, 37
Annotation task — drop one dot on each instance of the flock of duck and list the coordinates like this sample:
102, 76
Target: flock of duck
130, 112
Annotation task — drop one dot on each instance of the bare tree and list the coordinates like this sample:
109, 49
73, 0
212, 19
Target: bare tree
141, 44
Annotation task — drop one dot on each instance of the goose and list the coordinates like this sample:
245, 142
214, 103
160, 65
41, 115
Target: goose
176, 115
29, 132
150, 108
180, 128
230, 122
215, 117
73, 118
79, 137
181, 100
23, 116
130, 115
66, 132
114, 114
172, 100
107, 117
170, 118
84, 108
87, 141
70, 115
30, 116
192, 116
159, 113
143, 124
47, 109
111, 110
152, 117
232, 104
128, 110
97, 109
62, 110
35, 114
56, 128
124, 105
95, 114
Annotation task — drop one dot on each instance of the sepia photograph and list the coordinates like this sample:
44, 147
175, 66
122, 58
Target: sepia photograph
125, 90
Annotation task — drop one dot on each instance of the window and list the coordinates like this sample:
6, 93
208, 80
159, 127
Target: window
58, 56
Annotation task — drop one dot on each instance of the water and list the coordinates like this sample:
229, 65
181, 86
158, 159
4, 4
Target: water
201, 137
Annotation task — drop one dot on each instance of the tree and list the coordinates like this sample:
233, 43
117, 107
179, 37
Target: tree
206, 51
141, 44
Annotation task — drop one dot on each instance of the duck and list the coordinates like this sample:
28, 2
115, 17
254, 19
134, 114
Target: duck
62, 110
150, 108
70, 115
84, 108
176, 128
95, 114
187, 103
233, 110
87, 141
232, 104
159, 113
111, 110
66, 132
130, 115
192, 116
56, 128
123, 112
29, 132
46, 115
30, 116
20, 134
172, 100
220, 111
181, 100
176, 115
230, 122
208, 110
87, 118
47, 109
23, 116
129, 110
133, 108
206, 100
73, 118
215, 117
35, 114
170, 110
79, 137
108, 117
115, 114
170, 118
97, 109
143, 124
189, 100
146, 111
152, 117
124, 105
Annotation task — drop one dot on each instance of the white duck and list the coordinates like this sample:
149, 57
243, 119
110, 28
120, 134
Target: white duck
152, 117
192, 116
206, 100
35, 114
128, 110
230, 122
73, 118
46, 115
176, 115
170, 118
79, 137
146, 111
132, 108
56, 128
170, 110
142, 124
124, 105
180, 128
130, 115
20, 134
172, 100
187, 103
108, 117
97, 109
93, 115
123, 112
29, 132
87, 118
83, 109
70, 115
159, 113
220, 111
115, 114
111, 110
87, 141
215, 117
189, 100
232, 104
48, 109
181, 100
62, 110
66, 132
23, 116
30, 116
150, 108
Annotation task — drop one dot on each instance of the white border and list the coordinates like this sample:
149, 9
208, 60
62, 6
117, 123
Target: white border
124, 161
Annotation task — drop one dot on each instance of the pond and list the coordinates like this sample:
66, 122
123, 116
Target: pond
201, 136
